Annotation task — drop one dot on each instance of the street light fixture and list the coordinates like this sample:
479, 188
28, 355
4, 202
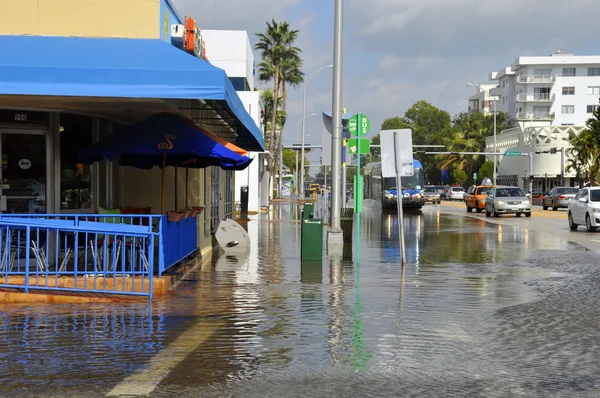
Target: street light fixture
486, 92
306, 81
298, 139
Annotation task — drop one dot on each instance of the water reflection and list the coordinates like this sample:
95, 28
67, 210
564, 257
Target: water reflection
274, 326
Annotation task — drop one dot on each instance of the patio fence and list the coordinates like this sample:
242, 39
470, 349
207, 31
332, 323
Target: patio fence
91, 253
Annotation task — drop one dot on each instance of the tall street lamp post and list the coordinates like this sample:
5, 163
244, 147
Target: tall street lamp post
296, 179
335, 235
486, 92
306, 81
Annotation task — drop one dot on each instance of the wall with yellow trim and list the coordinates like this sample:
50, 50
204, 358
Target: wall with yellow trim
85, 18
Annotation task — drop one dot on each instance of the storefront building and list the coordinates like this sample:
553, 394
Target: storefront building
81, 70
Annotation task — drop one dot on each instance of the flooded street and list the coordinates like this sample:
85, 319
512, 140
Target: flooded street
480, 309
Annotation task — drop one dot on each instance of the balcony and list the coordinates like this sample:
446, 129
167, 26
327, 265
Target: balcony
536, 79
545, 97
535, 116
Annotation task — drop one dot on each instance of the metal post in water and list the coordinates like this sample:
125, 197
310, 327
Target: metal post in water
399, 203
335, 236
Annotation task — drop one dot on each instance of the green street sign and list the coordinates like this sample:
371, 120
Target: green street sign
512, 153
365, 146
474, 175
359, 125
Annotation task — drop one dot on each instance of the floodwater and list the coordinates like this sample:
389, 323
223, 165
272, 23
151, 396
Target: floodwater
479, 310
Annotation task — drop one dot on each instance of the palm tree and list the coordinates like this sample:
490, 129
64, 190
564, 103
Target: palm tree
275, 45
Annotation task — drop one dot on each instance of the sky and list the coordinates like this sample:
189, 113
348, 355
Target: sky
397, 52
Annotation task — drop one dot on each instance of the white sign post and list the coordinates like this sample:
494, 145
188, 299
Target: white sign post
397, 161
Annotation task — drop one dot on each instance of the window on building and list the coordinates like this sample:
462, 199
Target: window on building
541, 93
503, 82
568, 72
592, 108
568, 109
75, 178
567, 124
542, 72
593, 71
593, 90
541, 110
239, 83
568, 90
503, 100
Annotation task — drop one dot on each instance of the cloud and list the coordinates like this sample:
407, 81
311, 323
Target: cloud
249, 15
469, 27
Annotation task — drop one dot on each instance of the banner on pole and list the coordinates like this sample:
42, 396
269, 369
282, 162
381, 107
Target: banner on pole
396, 153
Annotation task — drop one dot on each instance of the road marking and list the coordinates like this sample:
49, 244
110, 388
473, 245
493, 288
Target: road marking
144, 381
594, 240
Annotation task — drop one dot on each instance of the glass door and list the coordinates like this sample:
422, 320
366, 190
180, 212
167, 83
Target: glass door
23, 173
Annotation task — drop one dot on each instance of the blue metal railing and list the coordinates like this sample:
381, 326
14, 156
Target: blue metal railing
76, 254
175, 241
179, 241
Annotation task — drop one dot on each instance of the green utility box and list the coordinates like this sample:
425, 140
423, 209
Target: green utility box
312, 239
308, 211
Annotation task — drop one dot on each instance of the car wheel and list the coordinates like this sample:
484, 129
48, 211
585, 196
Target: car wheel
518, 214
545, 207
479, 210
495, 213
469, 209
487, 213
572, 225
554, 208
588, 224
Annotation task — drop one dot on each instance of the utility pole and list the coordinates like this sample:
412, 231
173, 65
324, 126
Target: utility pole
335, 236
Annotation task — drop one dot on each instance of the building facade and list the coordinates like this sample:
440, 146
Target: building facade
98, 67
550, 98
233, 53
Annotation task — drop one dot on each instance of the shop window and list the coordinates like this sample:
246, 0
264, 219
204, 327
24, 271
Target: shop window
75, 178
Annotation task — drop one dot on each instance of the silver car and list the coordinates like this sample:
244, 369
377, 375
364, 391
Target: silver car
455, 193
507, 200
431, 195
559, 197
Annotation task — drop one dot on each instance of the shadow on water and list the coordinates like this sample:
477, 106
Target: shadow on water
477, 311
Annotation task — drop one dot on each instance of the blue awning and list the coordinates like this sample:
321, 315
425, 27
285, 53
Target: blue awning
121, 68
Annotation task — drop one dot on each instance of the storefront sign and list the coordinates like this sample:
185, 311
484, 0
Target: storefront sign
25, 164
8, 116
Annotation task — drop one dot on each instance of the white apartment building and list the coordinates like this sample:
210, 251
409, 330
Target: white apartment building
551, 98
482, 101
231, 50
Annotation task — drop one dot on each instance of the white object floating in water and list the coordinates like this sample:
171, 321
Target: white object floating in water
232, 237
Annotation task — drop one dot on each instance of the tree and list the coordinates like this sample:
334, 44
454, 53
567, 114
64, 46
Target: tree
584, 154
275, 46
486, 170
460, 176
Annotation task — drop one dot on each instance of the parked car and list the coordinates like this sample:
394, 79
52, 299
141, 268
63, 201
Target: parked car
431, 195
475, 198
507, 200
559, 197
585, 209
455, 193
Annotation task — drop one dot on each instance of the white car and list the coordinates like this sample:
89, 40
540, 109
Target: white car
455, 193
585, 209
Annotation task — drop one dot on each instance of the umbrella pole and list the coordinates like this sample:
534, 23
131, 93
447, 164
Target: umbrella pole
187, 169
176, 178
162, 187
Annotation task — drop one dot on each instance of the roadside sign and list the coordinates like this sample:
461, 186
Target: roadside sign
359, 125
365, 146
512, 153
396, 151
